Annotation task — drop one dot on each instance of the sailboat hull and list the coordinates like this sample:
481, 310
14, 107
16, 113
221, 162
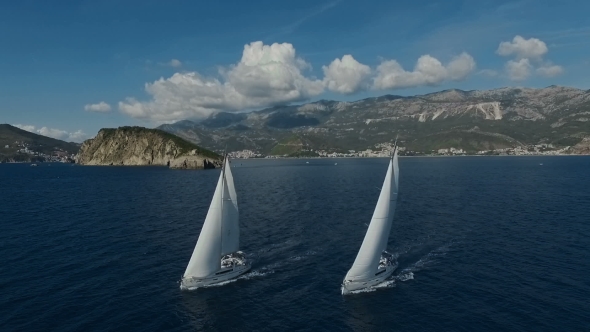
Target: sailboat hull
223, 275
349, 287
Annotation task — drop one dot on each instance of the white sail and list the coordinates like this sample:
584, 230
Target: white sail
206, 258
367, 260
230, 227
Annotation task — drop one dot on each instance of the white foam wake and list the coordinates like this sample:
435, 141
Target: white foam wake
256, 274
426, 260
405, 276
304, 256
387, 283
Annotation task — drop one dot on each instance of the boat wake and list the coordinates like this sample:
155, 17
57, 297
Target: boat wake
387, 283
304, 256
247, 276
256, 274
425, 261
266, 269
405, 276
408, 272
270, 268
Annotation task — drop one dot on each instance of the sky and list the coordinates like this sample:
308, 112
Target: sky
69, 68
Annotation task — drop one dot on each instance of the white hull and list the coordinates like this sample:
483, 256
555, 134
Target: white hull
351, 286
224, 274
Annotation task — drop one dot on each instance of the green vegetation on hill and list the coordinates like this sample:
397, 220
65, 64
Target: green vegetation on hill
471, 142
287, 146
304, 154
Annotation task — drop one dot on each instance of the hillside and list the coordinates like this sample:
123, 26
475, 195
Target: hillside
142, 146
470, 120
17, 145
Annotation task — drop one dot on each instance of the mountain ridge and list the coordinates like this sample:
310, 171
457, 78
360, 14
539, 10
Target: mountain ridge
556, 115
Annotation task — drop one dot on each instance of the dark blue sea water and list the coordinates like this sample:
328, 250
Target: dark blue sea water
484, 244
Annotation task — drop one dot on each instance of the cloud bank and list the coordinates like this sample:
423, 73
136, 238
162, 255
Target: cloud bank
77, 136
427, 71
268, 75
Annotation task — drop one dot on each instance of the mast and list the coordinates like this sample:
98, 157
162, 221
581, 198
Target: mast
231, 215
223, 185
394, 146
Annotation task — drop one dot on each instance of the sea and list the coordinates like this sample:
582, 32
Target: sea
483, 244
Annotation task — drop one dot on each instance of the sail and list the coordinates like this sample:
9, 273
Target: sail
206, 256
367, 260
230, 227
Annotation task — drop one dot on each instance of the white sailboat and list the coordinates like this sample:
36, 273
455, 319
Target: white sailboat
216, 257
373, 264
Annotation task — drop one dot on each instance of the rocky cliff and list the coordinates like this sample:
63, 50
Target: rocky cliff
142, 146
583, 147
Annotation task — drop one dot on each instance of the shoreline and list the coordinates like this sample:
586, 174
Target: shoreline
424, 156
327, 158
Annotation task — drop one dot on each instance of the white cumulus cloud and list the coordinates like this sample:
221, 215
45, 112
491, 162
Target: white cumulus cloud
266, 75
100, 107
427, 71
28, 128
523, 48
346, 75
51, 132
528, 58
549, 70
460, 67
77, 136
518, 70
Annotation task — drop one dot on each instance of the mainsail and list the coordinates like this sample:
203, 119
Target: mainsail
367, 260
230, 227
220, 234
207, 254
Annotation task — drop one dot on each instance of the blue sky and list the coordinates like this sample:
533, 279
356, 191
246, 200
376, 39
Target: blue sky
58, 57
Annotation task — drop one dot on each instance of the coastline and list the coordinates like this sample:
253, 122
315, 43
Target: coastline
312, 158
430, 156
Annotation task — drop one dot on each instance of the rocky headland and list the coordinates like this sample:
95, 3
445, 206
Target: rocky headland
135, 146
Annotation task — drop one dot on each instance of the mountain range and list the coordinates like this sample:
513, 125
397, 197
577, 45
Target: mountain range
470, 120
